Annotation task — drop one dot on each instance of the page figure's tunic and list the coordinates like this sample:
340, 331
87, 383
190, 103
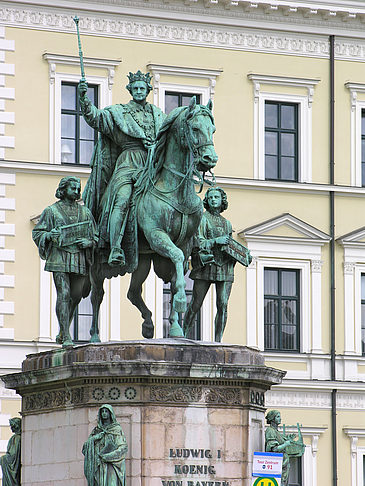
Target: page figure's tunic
222, 270
61, 258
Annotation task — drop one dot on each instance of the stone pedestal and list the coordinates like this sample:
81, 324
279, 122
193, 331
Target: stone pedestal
192, 412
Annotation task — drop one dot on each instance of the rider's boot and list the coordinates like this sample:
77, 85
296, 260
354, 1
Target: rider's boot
117, 227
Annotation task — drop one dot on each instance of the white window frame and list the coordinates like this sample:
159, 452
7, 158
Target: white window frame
357, 454
104, 82
355, 131
354, 266
209, 76
304, 298
285, 252
304, 103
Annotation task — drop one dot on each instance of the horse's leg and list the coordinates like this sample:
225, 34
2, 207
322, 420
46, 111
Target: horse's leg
135, 294
175, 328
161, 243
97, 294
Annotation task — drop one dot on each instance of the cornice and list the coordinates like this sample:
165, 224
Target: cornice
271, 27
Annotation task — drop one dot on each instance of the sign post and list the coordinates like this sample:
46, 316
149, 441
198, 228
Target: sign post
267, 468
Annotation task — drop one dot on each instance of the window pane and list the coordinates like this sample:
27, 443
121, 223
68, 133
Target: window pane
271, 311
86, 132
271, 115
271, 337
91, 92
289, 338
271, 167
67, 151
362, 286
363, 150
171, 102
289, 311
288, 283
84, 325
295, 476
271, 282
86, 151
363, 122
287, 116
68, 126
288, 144
85, 306
185, 99
68, 97
288, 168
271, 143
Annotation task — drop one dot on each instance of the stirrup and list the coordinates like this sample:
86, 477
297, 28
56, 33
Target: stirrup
116, 257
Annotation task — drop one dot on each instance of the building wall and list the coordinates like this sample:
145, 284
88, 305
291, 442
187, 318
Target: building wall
239, 55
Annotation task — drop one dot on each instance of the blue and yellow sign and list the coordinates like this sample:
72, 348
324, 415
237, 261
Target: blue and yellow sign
266, 482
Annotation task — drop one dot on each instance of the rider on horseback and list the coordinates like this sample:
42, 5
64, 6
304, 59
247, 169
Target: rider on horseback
127, 139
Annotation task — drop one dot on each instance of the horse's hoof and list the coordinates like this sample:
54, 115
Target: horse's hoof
95, 338
148, 329
59, 339
67, 343
175, 331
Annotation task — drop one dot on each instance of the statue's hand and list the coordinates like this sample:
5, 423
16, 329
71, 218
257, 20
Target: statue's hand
84, 243
53, 235
222, 240
82, 88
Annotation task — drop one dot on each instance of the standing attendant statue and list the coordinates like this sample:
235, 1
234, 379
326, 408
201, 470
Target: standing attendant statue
210, 263
65, 236
275, 441
127, 138
105, 451
10, 461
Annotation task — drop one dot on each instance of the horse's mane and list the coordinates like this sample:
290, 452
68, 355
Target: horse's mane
156, 160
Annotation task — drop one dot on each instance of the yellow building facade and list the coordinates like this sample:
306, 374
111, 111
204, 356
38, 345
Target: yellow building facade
287, 80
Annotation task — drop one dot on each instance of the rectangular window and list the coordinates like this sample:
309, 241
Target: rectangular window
175, 99
195, 331
281, 141
363, 313
77, 138
363, 148
295, 472
281, 309
81, 324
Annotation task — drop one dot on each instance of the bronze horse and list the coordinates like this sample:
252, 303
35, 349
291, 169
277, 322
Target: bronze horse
168, 212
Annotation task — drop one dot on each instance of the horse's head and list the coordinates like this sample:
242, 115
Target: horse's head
198, 130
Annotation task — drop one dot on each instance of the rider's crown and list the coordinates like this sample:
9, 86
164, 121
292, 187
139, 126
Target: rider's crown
139, 76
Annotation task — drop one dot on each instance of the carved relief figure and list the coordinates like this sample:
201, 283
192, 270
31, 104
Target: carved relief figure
10, 461
105, 451
65, 236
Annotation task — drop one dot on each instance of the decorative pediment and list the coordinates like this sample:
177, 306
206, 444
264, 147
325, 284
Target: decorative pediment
285, 227
354, 238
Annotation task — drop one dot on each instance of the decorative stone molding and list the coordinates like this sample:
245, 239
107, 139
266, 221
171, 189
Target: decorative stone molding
159, 70
259, 79
6, 254
59, 59
348, 268
5, 93
203, 33
316, 266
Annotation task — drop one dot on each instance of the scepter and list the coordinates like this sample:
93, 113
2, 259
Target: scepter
76, 20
